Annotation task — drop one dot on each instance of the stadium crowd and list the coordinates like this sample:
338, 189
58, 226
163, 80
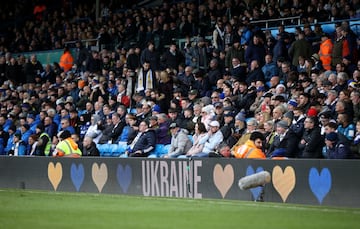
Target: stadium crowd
231, 90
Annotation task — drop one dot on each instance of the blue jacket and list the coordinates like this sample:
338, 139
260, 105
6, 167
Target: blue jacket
270, 70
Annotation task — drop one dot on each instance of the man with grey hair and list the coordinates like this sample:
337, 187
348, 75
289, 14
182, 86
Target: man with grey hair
331, 100
342, 78
251, 126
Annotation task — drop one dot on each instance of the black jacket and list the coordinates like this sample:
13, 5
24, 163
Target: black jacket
91, 151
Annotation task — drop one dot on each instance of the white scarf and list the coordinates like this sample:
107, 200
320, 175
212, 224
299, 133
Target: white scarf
148, 81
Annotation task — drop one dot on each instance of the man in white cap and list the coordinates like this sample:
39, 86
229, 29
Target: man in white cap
214, 138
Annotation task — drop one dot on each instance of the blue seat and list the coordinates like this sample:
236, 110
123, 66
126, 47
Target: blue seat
161, 150
157, 151
119, 149
104, 149
114, 150
166, 148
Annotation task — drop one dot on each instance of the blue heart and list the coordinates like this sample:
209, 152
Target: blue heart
124, 176
320, 184
77, 175
255, 191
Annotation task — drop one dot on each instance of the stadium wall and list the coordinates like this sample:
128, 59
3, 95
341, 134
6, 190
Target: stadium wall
310, 182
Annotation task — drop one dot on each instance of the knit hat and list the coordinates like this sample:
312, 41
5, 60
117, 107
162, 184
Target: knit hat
32, 116
156, 108
27, 126
18, 135
289, 115
332, 136
312, 112
240, 116
12, 127
40, 126
293, 102
283, 124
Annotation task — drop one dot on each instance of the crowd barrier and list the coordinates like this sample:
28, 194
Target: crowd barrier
309, 182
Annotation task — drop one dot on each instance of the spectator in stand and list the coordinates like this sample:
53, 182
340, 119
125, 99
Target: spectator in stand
300, 47
19, 146
336, 149
214, 73
150, 57
346, 127
162, 132
251, 126
284, 143
269, 69
171, 58
144, 142
65, 125
213, 138
255, 50
89, 147
280, 50
32, 69
255, 73
310, 145
340, 48
180, 142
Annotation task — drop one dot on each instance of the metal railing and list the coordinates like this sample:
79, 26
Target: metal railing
282, 20
87, 42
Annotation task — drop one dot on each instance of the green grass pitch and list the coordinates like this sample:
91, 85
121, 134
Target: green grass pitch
50, 210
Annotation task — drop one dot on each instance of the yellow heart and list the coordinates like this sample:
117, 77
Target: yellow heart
55, 174
223, 179
284, 182
99, 175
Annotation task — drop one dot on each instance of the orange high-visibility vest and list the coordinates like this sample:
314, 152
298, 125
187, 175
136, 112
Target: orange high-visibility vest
325, 53
249, 150
66, 61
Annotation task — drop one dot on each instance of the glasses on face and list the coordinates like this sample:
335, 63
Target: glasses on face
214, 97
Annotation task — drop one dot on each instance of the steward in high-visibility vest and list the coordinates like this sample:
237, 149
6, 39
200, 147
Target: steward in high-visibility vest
44, 143
45, 138
252, 147
67, 147
325, 51
66, 60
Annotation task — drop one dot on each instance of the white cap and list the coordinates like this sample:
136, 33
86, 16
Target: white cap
214, 123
